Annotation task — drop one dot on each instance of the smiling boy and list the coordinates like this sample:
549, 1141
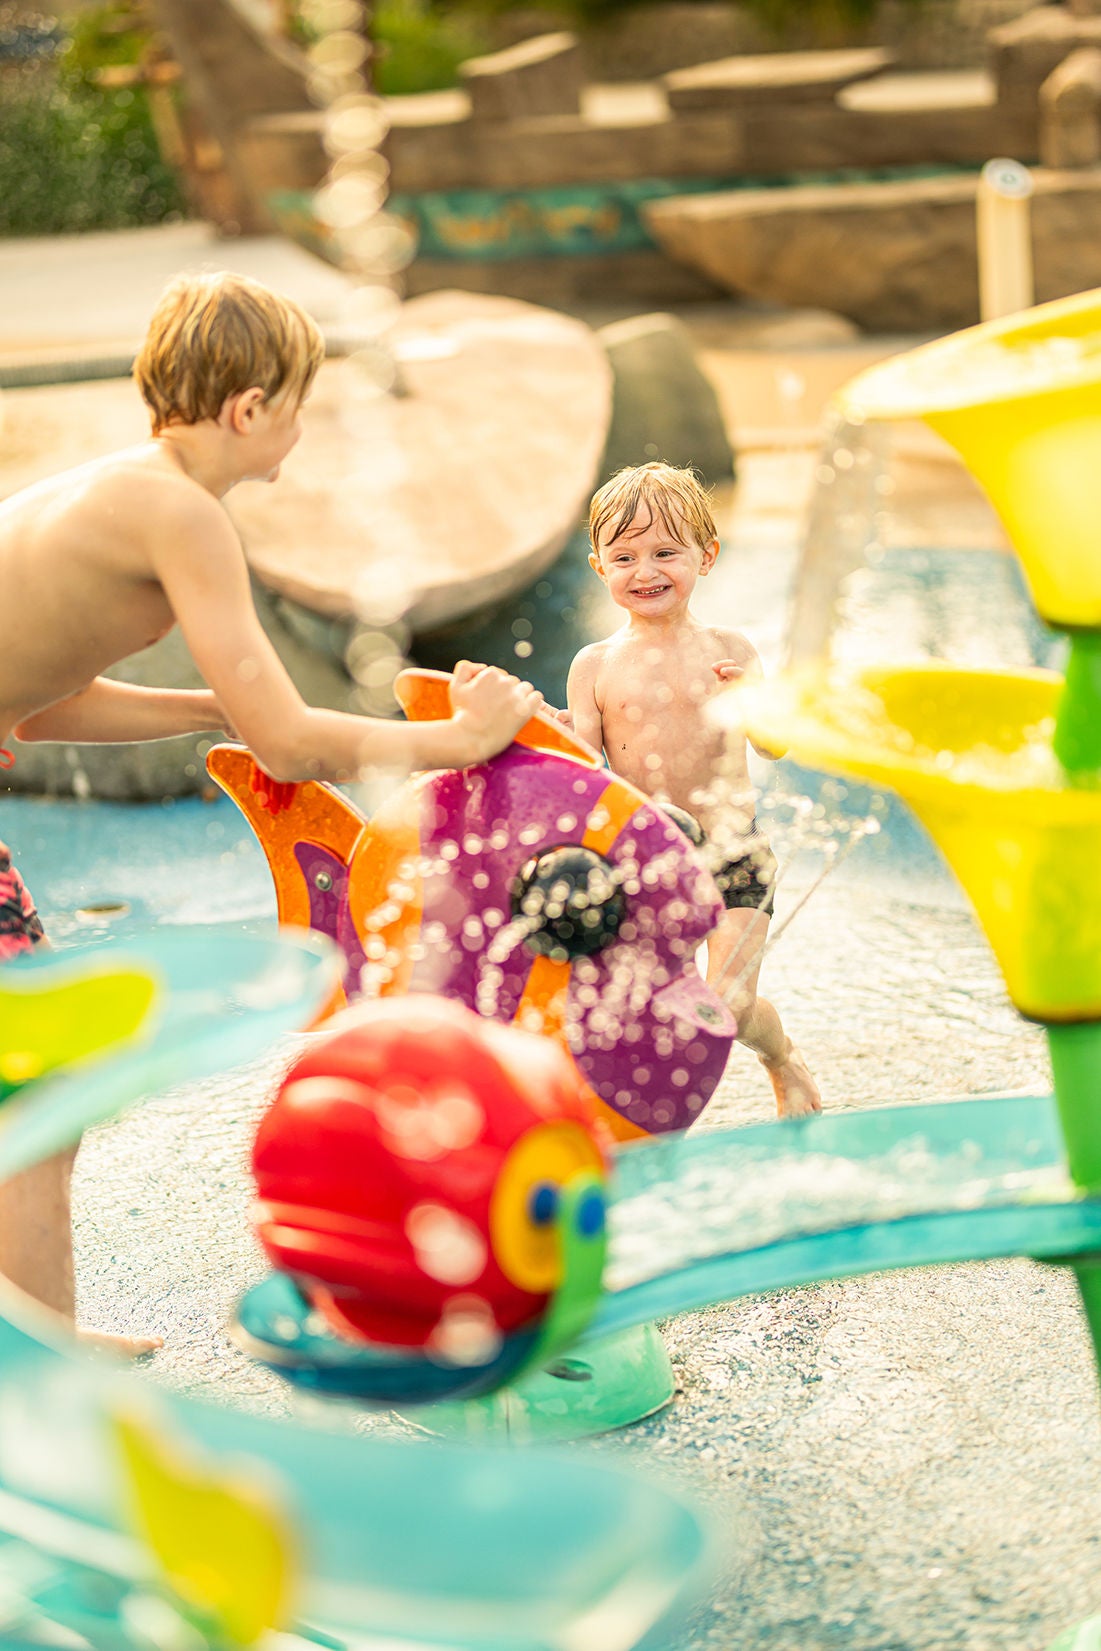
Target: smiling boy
640, 695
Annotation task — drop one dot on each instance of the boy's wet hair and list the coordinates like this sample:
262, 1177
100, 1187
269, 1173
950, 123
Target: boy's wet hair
213, 336
676, 497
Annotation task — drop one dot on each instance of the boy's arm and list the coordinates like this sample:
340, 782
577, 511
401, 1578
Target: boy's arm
202, 568
743, 664
581, 698
115, 713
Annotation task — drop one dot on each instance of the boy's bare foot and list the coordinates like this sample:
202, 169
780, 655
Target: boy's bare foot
796, 1091
124, 1347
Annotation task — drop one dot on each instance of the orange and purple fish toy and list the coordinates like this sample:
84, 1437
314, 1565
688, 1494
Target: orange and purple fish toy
537, 888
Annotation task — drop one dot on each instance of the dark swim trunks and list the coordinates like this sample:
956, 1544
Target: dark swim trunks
745, 882
20, 925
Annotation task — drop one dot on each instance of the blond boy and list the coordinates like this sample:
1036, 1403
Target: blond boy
640, 695
101, 561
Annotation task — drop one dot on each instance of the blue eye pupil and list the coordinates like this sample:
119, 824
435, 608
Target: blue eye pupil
590, 1216
544, 1203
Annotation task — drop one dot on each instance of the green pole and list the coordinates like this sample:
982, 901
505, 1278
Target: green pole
1076, 1069
1076, 1049
1077, 742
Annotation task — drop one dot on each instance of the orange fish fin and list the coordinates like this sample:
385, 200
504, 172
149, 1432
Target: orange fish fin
282, 815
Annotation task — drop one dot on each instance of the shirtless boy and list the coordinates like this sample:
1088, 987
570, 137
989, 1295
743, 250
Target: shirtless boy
640, 696
108, 557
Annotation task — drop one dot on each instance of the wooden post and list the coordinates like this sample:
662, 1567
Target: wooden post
1004, 232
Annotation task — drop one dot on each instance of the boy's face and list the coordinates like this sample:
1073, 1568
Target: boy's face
274, 428
649, 570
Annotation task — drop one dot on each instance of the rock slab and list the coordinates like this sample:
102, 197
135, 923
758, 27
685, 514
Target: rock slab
429, 504
772, 77
893, 257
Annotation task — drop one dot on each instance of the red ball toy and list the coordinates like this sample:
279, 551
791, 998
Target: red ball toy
409, 1172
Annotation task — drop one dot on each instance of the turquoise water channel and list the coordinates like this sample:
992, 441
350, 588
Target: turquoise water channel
901, 1462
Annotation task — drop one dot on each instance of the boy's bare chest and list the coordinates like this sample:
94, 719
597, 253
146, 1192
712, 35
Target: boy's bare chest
644, 686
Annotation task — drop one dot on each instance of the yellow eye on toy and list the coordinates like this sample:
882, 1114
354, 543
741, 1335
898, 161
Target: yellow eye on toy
524, 1206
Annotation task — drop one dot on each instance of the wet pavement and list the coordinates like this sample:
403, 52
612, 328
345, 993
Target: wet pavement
905, 1461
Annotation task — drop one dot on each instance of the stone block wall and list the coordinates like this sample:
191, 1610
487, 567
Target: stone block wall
1070, 111
650, 40
537, 157
1023, 54
944, 34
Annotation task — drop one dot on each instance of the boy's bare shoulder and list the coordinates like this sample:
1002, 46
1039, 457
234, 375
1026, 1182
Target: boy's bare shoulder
140, 477
732, 644
150, 499
588, 660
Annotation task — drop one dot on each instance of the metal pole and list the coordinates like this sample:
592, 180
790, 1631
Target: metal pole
1004, 235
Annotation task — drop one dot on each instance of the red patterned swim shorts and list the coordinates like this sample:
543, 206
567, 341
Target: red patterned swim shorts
20, 925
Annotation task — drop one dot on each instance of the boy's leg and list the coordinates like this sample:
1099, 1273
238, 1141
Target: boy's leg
36, 1251
734, 951
36, 1234
36, 1246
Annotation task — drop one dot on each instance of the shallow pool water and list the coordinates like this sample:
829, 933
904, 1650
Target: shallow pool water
906, 1462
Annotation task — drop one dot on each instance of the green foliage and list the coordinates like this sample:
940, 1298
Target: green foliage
104, 36
74, 156
419, 47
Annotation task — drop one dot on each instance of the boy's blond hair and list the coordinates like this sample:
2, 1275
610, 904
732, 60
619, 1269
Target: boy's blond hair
213, 336
677, 497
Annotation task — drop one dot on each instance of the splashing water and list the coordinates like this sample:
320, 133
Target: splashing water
795, 824
844, 527
744, 1197
1009, 367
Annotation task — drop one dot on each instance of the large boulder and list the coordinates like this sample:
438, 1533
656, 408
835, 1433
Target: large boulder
457, 487
664, 406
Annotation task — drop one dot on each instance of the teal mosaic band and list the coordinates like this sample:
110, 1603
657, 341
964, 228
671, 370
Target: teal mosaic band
568, 220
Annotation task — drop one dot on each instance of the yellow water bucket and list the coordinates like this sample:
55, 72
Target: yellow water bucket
970, 751
1020, 400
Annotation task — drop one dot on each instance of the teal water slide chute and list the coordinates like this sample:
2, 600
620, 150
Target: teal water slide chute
198, 1524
